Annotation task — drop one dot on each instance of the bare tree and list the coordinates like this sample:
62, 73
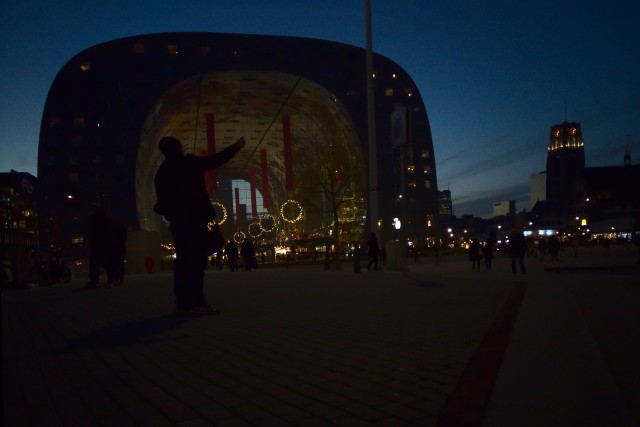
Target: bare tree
331, 176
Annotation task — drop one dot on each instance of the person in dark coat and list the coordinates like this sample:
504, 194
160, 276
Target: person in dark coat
554, 247
98, 242
183, 200
231, 250
117, 242
374, 251
487, 251
474, 254
517, 250
248, 254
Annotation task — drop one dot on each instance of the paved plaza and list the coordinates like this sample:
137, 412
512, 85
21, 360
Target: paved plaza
304, 346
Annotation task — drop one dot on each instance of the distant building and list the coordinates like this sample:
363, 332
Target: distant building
586, 197
445, 206
18, 222
506, 208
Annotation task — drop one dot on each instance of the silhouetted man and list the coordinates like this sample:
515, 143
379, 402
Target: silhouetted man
183, 200
517, 249
374, 251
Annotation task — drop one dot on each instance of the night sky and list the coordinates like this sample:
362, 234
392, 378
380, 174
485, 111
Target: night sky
494, 78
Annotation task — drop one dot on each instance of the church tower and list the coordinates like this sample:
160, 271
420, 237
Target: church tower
565, 170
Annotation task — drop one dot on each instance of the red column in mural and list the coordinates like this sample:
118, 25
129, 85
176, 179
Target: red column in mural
288, 153
265, 178
252, 183
211, 179
238, 215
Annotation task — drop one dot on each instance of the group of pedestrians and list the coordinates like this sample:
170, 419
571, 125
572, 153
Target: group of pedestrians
107, 246
517, 249
479, 251
247, 251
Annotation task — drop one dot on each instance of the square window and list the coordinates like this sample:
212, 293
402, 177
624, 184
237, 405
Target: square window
427, 169
425, 154
78, 122
427, 184
85, 66
74, 177
412, 184
411, 169
138, 48
172, 49
205, 50
388, 91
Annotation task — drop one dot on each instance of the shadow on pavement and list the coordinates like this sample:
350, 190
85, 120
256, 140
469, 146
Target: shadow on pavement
131, 333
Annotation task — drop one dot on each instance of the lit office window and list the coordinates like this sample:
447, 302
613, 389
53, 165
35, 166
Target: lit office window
425, 154
54, 122
412, 184
85, 66
172, 49
388, 91
411, 169
427, 169
74, 177
138, 48
78, 122
427, 184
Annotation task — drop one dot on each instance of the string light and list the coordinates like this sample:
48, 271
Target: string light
273, 223
297, 205
224, 214
238, 237
257, 233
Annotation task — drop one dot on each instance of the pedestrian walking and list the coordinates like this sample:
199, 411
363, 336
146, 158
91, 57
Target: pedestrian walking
474, 254
517, 250
98, 242
374, 251
248, 254
231, 250
183, 200
116, 252
554, 247
487, 251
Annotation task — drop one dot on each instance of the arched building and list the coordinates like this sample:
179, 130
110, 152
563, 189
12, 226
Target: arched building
300, 103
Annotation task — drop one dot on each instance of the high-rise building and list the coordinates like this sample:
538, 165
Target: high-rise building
18, 224
576, 194
445, 205
565, 169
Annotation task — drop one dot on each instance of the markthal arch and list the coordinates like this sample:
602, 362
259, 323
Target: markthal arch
301, 105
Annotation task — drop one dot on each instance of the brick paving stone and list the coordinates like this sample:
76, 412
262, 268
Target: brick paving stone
319, 348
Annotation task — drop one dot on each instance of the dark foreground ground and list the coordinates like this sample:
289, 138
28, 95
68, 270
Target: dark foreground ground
436, 345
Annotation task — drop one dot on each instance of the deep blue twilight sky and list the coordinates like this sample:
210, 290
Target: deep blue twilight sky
494, 75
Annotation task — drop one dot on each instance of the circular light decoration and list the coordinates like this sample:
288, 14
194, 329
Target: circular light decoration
224, 214
254, 230
297, 206
238, 237
262, 223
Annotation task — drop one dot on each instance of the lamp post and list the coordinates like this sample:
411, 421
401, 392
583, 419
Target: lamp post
373, 160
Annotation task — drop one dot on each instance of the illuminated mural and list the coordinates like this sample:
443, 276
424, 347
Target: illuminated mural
259, 106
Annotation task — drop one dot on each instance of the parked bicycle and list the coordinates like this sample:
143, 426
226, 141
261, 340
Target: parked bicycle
47, 273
